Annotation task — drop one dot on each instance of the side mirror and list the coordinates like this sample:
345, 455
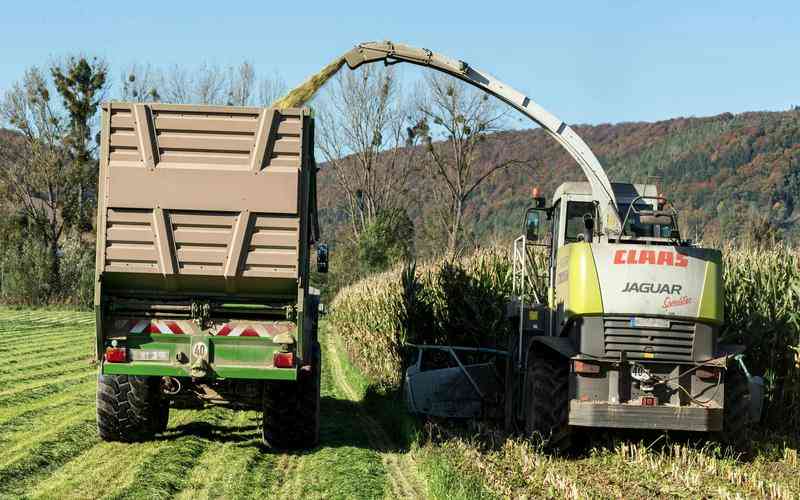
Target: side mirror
322, 258
536, 226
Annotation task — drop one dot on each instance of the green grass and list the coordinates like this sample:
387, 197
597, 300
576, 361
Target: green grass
51, 449
370, 447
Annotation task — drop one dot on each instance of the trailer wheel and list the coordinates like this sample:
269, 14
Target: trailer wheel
129, 408
547, 399
291, 409
736, 412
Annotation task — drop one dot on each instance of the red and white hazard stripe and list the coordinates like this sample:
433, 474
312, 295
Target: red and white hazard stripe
242, 330
253, 329
156, 326
234, 329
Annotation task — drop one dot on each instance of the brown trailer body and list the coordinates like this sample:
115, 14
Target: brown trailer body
204, 200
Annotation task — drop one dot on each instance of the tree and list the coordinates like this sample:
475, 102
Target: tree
47, 168
271, 88
81, 85
241, 84
140, 84
208, 84
466, 122
367, 141
387, 241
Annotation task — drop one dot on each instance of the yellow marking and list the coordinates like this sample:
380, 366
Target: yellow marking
649, 355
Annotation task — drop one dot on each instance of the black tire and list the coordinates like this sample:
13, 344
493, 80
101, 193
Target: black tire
736, 410
547, 401
291, 409
129, 408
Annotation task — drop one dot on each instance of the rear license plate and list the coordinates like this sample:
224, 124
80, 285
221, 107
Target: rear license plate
148, 355
650, 323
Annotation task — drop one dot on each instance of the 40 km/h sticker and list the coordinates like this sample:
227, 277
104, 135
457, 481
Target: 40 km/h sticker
200, 351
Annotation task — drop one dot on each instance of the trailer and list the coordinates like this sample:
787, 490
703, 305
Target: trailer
207, 217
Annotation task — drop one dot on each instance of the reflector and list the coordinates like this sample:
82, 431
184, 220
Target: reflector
283, 360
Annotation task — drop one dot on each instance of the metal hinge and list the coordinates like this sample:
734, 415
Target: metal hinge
291, 313
201, 314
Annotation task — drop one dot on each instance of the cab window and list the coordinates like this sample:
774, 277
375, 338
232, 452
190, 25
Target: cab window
574, 222
634, 227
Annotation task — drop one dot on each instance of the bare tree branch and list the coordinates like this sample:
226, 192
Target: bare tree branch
465, 122
367, 139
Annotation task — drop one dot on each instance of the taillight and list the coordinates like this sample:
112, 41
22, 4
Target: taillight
283, 360
584, 367
116, 354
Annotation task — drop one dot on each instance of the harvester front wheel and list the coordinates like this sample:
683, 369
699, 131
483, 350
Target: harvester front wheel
736, 411
129, 408
291, 409
547, 397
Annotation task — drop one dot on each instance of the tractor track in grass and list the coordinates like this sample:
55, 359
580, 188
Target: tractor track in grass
403, 480
51, 449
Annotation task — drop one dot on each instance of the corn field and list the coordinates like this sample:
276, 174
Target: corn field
462, 301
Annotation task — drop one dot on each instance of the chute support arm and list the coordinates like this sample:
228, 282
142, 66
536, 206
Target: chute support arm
391, 53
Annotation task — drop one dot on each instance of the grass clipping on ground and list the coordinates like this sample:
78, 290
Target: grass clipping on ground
306, 90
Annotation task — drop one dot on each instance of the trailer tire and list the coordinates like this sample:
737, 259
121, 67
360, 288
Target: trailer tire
291, 409
736, 410
547, 400
129, 408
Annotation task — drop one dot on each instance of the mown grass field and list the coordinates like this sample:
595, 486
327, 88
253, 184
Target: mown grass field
51, 449
369, 449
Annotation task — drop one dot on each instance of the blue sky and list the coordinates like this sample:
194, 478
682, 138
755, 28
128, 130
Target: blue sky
588, 62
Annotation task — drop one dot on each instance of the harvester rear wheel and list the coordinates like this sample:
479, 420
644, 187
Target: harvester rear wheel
736, 412
129, 408
547, 397
291, 409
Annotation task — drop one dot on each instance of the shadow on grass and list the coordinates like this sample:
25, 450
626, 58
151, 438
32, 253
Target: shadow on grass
341, 425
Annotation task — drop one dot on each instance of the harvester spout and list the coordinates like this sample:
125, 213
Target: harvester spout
390, 53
